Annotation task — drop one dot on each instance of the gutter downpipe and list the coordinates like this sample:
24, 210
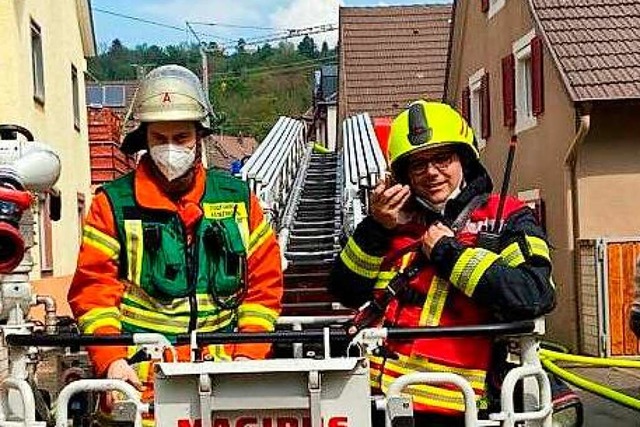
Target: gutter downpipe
571, 155
570, 161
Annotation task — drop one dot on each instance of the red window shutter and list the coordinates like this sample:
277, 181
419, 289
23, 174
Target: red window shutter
465, 108
509, 90
485, 106
485, 6
537, 76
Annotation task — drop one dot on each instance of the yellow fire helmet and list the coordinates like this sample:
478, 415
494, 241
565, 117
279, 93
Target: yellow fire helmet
168, 93
426, 125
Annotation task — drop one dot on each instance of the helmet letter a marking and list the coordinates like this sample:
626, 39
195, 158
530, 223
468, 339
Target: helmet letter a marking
166, 98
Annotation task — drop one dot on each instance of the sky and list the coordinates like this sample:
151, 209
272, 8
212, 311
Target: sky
265, 17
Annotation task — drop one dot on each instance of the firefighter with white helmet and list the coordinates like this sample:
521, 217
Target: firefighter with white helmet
439, 201
172, 247
170, 93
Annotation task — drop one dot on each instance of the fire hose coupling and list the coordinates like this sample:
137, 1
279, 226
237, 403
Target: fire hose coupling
50, 317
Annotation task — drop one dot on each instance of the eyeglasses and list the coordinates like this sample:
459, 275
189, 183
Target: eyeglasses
440, 161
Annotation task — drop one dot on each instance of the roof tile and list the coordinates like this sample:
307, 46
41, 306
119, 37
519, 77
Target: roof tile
391, 56
222, 150
597, 43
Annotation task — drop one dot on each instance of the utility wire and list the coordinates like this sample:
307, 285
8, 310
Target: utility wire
156, 23
248, 27
283, 33
311, 62
271, 72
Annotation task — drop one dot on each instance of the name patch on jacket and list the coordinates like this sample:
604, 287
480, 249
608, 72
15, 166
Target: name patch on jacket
224, 210
478, 226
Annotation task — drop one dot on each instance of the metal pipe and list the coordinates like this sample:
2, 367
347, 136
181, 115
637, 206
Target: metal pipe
327, 343
570, 161
583, 128
65, 340
470, 413
508, 387
80, 386
312, 320
50, 312
5, 423
28, 401
298, 349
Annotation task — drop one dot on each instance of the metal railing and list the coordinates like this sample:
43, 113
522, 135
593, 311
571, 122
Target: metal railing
272, 169
363, 165
291, 205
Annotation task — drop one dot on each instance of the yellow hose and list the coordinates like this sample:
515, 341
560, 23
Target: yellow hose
554, 346
595, 361
320, 149
591, 386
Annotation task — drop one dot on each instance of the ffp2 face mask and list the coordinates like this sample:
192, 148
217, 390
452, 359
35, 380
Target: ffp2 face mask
173, 160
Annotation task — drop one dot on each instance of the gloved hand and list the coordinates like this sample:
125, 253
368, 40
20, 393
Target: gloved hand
432, 236
121, 370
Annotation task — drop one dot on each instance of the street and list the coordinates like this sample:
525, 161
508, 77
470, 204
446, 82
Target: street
600, 412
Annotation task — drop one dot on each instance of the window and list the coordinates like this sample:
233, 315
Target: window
108, 95
76, 97
94, 95
113, 96
475, 95
523, 87
37, 63
479, 115
527, 66
45, 236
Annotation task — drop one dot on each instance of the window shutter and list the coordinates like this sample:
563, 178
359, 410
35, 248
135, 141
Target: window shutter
509, 90
465, 108
485, 6
485, 106
537, 76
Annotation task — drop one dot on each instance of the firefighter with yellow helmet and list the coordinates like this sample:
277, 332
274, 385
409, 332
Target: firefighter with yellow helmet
440, 201
171, 247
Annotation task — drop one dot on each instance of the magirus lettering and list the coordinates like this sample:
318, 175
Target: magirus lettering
265, 422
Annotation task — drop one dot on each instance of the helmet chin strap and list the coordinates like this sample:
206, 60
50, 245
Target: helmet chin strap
439, 208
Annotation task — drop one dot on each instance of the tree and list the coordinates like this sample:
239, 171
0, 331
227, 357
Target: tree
324, 51
251, 88
116, 48
241, 46
307, 47
265, 52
